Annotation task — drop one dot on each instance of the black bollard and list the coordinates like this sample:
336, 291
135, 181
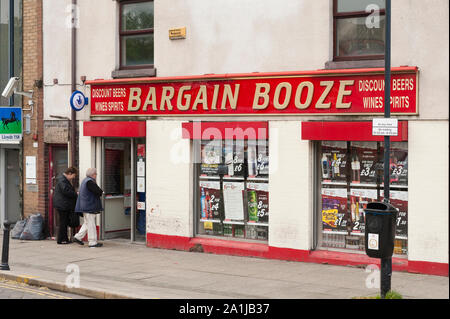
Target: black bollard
5, 250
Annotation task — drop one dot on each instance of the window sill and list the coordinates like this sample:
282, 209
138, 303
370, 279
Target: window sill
133, 73
332, 65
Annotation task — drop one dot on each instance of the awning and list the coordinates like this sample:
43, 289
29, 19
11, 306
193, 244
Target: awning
114, 128
348, 131
225, 130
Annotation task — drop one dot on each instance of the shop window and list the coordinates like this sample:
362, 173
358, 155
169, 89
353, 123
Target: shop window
233, 188
351, 176
359, 29
136, 34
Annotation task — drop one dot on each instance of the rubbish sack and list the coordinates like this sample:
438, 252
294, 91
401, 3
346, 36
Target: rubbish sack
34, 228
18, 228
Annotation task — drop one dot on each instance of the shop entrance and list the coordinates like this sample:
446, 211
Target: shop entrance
123, 181
58, 163
13, 210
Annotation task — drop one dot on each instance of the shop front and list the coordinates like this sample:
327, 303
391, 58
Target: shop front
273, 165
120, 158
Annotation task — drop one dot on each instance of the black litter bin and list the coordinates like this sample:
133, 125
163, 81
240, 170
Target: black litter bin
380, 229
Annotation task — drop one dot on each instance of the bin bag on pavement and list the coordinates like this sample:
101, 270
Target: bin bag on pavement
34, 228
18, 229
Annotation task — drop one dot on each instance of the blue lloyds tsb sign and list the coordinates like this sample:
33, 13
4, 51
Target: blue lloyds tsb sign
10, 124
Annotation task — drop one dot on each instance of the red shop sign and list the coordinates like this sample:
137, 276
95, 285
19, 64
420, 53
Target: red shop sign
323, 92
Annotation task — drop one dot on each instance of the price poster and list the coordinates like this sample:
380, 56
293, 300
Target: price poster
359, 198
233, 200
258, 202
211, 156
234, 157
210, 200
398, 163
334, 161
364, 157
334, 209
258, 158
399, 199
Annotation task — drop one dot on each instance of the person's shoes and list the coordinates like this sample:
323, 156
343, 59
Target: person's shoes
63, 242
96, 245
78, 241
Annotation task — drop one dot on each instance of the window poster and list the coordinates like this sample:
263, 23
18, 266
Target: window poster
210, 200
258, 158
364, 157
258, 202
398, 163
399, 199
211, 157
234, 157
334, 209
334, 161
359, 198
233, 200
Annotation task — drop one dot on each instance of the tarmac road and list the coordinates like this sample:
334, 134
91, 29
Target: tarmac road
18, 290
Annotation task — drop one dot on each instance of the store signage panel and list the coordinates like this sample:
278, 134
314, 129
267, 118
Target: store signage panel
10, 125
319, 93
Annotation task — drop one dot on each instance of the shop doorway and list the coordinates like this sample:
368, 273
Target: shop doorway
13, 211
58, 163
123, 181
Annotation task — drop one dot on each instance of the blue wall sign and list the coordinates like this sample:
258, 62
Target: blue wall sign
78, 101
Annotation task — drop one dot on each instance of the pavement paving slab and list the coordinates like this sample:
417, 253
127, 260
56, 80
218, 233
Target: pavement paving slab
127, 270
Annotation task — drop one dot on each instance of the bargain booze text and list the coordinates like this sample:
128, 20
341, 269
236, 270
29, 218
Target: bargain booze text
314, 93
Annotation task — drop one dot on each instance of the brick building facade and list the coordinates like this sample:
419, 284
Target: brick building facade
34, 195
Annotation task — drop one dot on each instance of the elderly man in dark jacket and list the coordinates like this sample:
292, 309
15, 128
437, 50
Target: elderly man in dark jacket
64, 200
89, 204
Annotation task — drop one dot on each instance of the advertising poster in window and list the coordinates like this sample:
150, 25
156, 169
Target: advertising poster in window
258, 202
233, 200
398, 163
211, 156
359, 198
364, 157
334, 209
234, 157
334, 161
399, 199
258, 158
210, 200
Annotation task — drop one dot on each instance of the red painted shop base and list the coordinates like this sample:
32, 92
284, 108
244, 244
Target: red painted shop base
227, 247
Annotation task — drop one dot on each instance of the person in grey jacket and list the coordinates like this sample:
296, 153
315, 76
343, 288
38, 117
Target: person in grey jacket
89, 204
64, 199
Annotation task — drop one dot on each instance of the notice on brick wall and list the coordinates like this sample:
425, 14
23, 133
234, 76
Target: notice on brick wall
30, 169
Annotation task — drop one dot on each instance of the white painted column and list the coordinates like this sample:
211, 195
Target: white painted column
290, 187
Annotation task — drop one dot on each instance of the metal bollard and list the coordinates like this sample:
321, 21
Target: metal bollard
5, 250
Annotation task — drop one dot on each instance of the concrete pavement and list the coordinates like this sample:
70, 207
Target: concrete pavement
121, 269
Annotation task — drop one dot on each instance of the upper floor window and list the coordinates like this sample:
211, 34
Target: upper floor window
136, 34
359, 29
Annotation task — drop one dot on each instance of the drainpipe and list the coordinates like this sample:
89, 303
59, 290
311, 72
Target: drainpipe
74, 84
